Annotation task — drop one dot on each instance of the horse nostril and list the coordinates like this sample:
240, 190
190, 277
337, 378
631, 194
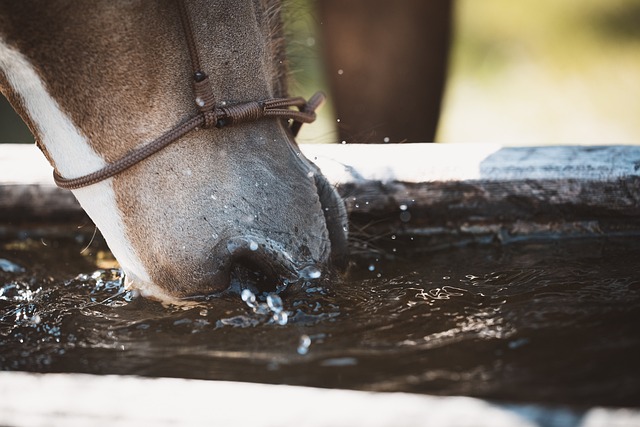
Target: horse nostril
245, 273
257, 265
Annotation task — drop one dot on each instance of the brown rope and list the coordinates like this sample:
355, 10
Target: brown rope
210, 115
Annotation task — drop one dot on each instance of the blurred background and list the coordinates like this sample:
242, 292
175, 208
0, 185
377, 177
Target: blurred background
520, 73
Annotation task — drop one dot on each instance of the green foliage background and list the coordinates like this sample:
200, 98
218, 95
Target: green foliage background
521, 72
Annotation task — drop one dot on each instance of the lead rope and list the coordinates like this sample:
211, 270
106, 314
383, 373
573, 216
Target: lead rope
210, 115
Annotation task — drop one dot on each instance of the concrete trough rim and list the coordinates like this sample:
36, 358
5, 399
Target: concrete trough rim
109, 400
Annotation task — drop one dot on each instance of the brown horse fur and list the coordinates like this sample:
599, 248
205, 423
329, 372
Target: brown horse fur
109, 76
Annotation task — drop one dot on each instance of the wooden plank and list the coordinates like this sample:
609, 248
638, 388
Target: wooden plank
27, 190
446, 193
452, 194
83, 400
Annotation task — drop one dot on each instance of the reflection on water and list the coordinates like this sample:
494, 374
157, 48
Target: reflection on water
553, 322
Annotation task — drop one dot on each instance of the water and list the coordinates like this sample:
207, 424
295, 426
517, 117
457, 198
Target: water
551, 322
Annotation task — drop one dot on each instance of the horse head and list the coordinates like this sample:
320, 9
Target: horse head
96, 80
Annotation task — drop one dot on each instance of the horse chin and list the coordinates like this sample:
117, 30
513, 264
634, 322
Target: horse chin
151, 291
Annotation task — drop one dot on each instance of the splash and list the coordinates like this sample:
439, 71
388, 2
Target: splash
272, 306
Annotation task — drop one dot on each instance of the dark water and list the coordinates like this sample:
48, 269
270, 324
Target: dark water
553, 322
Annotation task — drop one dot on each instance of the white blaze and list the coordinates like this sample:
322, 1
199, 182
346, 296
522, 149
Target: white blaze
72, 156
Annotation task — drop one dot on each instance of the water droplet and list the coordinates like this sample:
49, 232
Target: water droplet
372, 267
204, 312
281, 318
10, 267
261, 308
403, 207
310, 272
344, 142
248, 297
303, 346
274, 302
200, 102
310, 174
253, 245
393, 237
340, 72
386, 139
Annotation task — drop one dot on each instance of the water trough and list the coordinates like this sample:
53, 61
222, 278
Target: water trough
442, 195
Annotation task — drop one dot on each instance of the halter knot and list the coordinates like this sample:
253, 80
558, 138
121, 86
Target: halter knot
240, 113
209, 116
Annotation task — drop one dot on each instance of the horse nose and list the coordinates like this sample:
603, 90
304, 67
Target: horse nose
258, 264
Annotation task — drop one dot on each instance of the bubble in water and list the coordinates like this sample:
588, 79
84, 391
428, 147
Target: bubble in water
310, 272
303, 346
274, 302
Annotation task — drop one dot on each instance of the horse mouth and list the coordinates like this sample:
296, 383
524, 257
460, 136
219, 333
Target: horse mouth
259, 267
258, 264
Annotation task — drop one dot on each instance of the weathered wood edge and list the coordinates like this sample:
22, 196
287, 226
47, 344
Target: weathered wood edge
446, 193
453, 194
106, 400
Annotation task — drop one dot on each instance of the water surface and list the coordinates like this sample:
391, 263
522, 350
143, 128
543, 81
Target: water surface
551, 322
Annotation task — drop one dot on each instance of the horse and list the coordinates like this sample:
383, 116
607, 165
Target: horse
221, 201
